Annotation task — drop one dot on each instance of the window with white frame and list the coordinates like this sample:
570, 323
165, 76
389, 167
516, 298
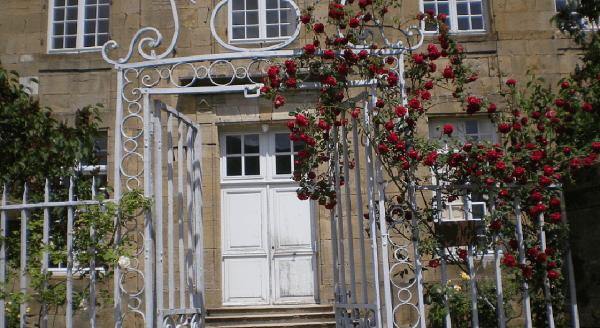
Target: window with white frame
78, 24
261, 20
286, 152
463, 15
465, 129
242, 155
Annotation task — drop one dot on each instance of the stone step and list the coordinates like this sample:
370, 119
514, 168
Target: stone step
270, 317
319, 324
245, 310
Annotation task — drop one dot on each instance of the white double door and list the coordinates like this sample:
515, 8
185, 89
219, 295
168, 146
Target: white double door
268, 249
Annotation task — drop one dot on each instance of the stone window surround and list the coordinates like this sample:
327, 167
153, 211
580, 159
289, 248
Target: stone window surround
261, 23
453, 17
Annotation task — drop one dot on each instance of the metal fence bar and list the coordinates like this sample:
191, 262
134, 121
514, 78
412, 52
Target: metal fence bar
199, 227
3, 218
350, 234
23, 264
117, 193
170, 217
522, 259
547, 292
181, 235
148, 229
359, 210
497, 271
45, 256
371, 204
383, 228
340, 217
70, 219
444, 258
158, 205
570, 271
93, 264
416, 251
190, 214
467, 209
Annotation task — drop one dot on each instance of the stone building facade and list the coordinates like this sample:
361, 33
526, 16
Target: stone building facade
501, 37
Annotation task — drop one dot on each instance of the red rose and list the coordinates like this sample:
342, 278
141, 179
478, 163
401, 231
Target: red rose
567, 151
390, 60
500, 166
305, 19
448, 72
496, 225
426, 95
428, 85
442, 17
433, 51
518, 171
318, 27
412, 153
511, 82
537, 155
265, 89
363, 54
491, 108
565, 85
356, 112
555, 202
383, 148
354, 22
596, 146
330, 80
555, 217
342, 69
291, 83
279, 101
400, 111
301, 120
587, 107
324, 125
473, 104
432, 67
418, 58
434, 263
310, 49
392, 79
504, 127
509, 260
328, 54
503, 193
553, 275
545, 181
448, 129
541, 257
548, 170
414, 103
380, 103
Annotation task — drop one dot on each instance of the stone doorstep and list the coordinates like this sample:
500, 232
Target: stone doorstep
271, 316
244, 310
321, 324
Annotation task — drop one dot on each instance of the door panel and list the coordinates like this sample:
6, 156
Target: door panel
245, 246
293, 271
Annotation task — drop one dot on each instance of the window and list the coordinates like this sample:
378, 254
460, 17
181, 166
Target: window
242, 155
261, 20
471, 129
463, 15
285, 153
98, 166
78, 24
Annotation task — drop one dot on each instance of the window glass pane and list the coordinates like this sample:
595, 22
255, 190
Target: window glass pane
90, 26
71, 28
237, 4
103, 11
251, 144
477, 23
282, 143
471, 127
252, 17
272, 4
283, 164
252, 32
59, 14
103, 26
90, 12
252, 165
89, 40
475, 8
251, 4
233, 145
444, 8
286, 29
234, 166
70, 42
238, 33
72, 13
237, 18
91, 2
463, 23
286, 16
58, 3
59, 28
299, 145
57, 43
272, 31
272, 16
462, 8
478, 211
560, 4
72, 2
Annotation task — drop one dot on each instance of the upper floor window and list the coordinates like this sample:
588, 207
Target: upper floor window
78, 24
260, 20
463, 15
472, 129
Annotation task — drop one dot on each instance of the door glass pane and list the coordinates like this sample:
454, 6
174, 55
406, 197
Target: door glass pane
272, 4
251, 144
89, 40
252, 32
282, 143
59, 14
234, 166
252, 165
70, 42
251, 4
237, 4
90, 12
233, 145
72, 13
283, 164
237, 18
299, 145
252, 17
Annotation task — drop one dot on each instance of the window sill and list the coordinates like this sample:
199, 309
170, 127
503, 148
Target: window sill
74, 51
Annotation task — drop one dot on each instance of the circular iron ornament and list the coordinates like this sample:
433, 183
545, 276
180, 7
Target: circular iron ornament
228, 46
